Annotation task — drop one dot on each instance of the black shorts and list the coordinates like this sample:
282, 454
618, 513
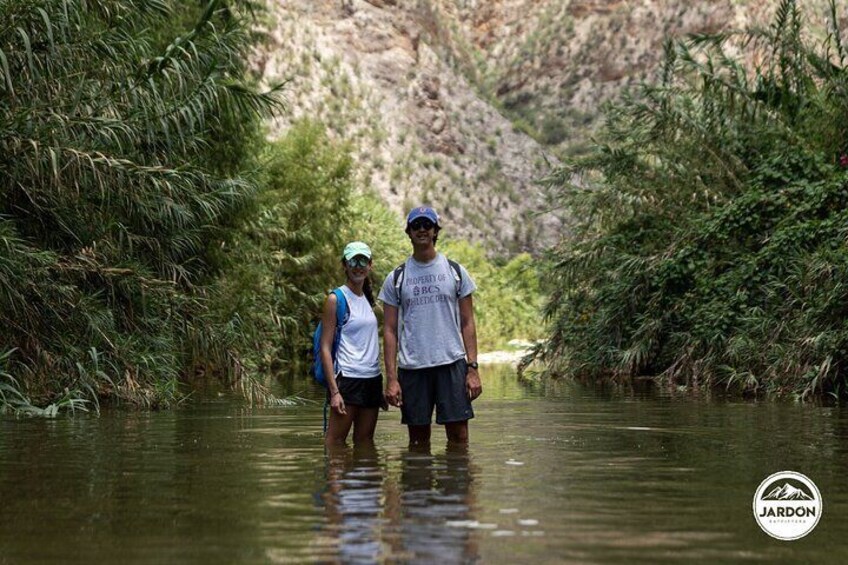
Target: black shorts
442, 387
367, 393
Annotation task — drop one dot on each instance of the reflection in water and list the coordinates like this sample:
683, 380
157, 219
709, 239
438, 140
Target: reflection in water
353, 501
435, 498
418, 513
556, 474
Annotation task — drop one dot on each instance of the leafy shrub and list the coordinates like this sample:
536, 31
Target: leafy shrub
709, 245
508, 297
286, 257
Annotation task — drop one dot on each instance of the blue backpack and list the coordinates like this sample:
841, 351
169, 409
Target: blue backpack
342, 315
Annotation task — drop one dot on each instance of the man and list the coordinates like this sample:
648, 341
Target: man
429, 336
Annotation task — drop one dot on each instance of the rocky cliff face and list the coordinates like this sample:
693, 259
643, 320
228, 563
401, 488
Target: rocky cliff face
551, 64
464, 104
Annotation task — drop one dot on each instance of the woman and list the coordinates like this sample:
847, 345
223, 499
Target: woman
354, 385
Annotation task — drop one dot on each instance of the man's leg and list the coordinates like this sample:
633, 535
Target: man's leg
453, 407
417, 407
457, 432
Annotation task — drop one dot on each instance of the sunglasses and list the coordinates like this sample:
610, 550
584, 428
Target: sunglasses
358, 262
421, 224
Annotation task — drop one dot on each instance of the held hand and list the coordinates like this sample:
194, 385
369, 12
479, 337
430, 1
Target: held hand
472, 383
337, 403
393, 393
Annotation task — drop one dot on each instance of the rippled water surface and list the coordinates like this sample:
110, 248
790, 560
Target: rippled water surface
553, 474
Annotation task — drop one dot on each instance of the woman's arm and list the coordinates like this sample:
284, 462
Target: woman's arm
328, 330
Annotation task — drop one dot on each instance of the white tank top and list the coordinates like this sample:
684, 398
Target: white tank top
359, 348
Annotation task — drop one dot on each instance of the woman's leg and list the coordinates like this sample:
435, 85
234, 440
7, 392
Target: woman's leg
364, 423
339, 426
419, 435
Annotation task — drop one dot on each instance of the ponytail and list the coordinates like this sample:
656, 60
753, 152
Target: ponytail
366, 290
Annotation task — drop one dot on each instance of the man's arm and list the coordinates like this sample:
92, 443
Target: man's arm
469, 338
390, 349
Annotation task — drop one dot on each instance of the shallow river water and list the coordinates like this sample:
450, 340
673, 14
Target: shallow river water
554, 474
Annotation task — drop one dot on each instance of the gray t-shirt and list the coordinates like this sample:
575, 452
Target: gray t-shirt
428, 325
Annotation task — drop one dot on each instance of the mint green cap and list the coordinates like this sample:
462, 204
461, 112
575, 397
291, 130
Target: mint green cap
355, 248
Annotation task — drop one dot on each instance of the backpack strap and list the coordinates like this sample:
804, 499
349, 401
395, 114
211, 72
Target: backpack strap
342, 316
398, 279
342, 312
457, 275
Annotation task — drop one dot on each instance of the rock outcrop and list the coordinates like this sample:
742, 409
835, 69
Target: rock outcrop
465, 104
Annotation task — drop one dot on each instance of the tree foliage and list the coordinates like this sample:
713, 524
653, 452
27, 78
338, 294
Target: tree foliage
508, 297
287, 254
121, 140
711, 221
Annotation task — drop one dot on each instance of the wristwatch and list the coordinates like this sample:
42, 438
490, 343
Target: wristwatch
473, 365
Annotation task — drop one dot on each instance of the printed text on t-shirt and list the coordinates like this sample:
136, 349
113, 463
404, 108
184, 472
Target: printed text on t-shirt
424, 292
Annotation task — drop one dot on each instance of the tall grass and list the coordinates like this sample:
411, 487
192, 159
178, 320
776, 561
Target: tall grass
122, 134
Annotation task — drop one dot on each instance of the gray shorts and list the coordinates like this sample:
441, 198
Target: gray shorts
442, 387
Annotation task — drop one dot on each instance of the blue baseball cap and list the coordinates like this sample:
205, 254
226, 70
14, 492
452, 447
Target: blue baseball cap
423, 212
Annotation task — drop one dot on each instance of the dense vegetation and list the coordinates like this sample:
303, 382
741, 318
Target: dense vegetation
287, 252
149, 234
508, 298
711, 221
124, 129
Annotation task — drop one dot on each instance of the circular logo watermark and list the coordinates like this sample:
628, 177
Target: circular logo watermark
787, 505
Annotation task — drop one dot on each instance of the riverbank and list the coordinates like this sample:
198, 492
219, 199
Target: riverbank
518, 349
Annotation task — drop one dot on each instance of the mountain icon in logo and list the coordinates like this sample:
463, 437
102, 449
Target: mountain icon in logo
787, 505
787, 492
